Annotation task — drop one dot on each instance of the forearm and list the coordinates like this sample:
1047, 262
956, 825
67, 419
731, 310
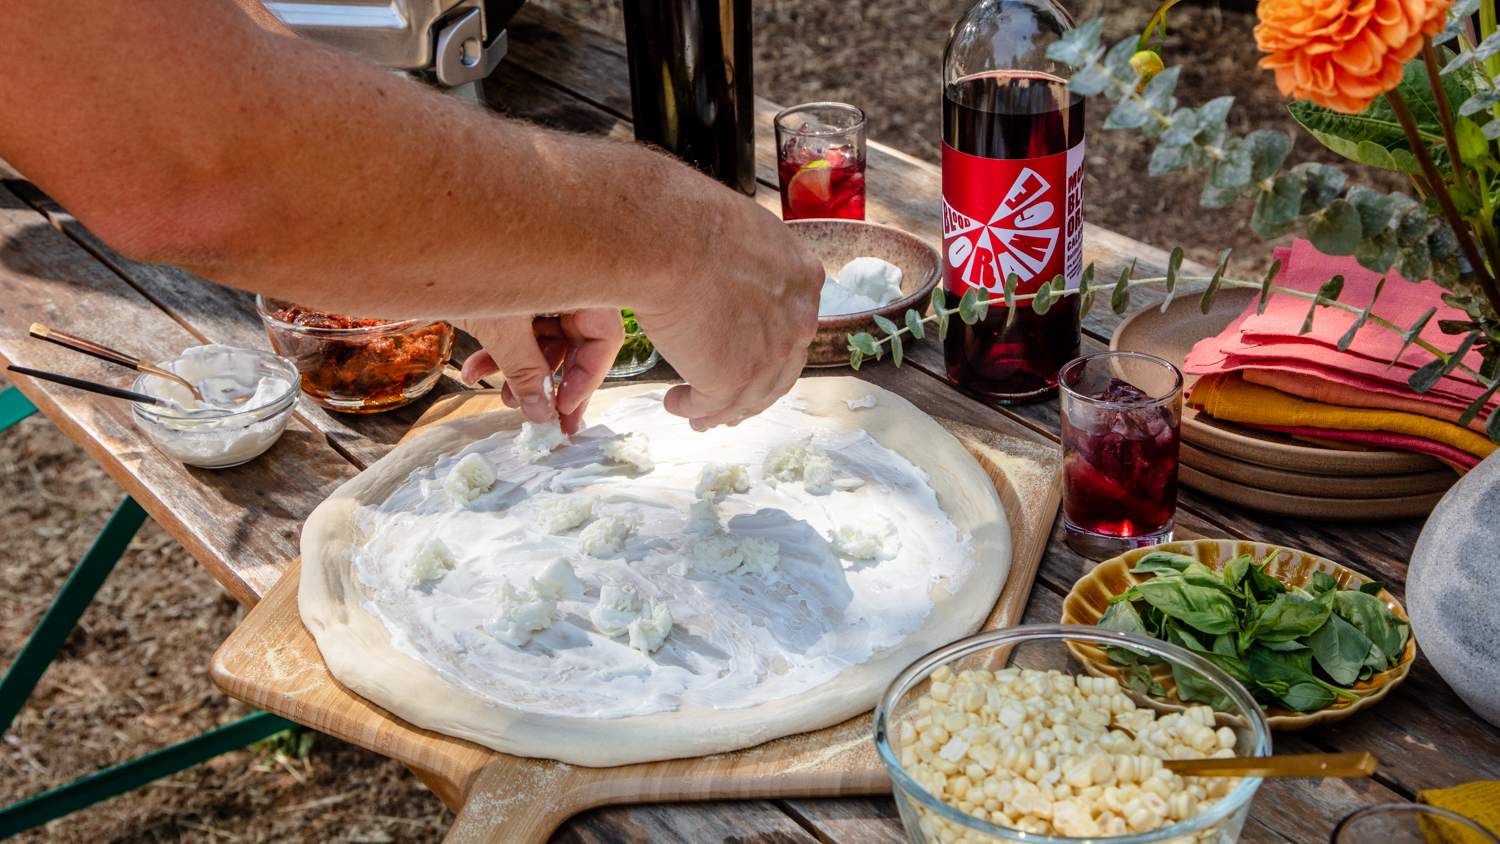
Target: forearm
271, 164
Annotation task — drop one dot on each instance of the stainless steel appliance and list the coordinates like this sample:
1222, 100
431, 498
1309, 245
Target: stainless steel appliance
452, 42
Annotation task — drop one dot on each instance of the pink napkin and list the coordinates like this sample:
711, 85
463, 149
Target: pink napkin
1270, 341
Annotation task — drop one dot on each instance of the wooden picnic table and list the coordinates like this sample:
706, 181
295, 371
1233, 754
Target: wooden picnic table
243, 524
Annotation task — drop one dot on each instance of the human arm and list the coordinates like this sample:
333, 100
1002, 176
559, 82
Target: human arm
193, 136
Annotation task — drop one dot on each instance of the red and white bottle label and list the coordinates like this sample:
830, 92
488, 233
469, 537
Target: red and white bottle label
1012, 215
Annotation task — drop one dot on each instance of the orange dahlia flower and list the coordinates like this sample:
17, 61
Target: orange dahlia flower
1343, 53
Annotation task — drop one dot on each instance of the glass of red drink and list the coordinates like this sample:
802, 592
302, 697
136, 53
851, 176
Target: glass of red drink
1120, 416
820, 159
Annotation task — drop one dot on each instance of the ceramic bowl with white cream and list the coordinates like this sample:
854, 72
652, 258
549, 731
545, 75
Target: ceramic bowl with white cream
247, 399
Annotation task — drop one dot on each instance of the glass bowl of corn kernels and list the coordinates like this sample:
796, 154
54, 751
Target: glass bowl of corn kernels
1005, 736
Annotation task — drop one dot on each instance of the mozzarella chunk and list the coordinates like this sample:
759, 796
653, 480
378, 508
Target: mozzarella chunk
557, 581
606, 535
868, 400
649, 631
801, 461
703, 515
878, 541
537, 440
469, 478
432, 561
720, 479
564, 512
633, 449
723, 554
619, 605
519, 614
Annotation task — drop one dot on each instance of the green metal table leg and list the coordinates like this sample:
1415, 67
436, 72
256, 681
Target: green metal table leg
14, 407
64, 800
66, 609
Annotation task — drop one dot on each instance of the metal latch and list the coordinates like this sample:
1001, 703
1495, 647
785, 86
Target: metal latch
461, 54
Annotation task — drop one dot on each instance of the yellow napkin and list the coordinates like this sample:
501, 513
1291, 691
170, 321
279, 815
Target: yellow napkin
1235, 400
1477, 801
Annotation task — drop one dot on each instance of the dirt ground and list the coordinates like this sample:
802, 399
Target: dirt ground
134, 676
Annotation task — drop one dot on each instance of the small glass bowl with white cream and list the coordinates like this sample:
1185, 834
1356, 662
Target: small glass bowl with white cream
247, 400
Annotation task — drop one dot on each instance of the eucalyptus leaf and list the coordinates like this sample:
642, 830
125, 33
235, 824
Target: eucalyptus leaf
1041, 302
1415, 330
1168, 158
914, 323
856, 357
1478, 102
1092, 80
1324, 183
1232, 171
1336, 231
1265, 286
897, 353
1214, 196
1119, 298
1472, 411
1268, 149
968, 306
864, 342
1129, 113
1181, 126
1158, 92
1206, 301
1375, 209
885, 324
1078, 46
1277, 209
1377, 253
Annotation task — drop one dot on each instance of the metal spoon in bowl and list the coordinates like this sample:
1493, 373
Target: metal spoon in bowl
103, 352
118, 392
1290, 765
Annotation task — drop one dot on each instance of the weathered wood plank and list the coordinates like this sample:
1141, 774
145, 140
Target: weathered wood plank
689, 823
242, 524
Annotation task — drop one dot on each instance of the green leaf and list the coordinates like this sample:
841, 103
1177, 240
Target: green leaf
1415, 330
1370, 615
1374, 137
1200, 607
1427, 377
1042, 301
1206, 301
1276, 210
1322, 582
856, 357
896, 351
1162, 562
1168, 158
1214, 196
968, 306
1378, 253
1473, 146
1348, 338
1336, 231
914, 323
939, 308
1375, 209
1264, 587
1265, 286
1268, 149
1090, 81
1329, 292
1158, 92
1491, 129
1129, 113
864, 342
1193, 686
1234, 169
1236, 570
1078, 46
1478, 404
884, 324
1290, 617
1324, 184
1478, 102
1306, 697
1182, 125
1174, 263
1211, 117
1119, 298
1492, 425
1340, 650
1086, 291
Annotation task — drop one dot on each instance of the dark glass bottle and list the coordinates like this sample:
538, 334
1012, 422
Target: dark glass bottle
690, 83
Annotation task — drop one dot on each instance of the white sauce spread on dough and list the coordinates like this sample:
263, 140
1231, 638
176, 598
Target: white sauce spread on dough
737, 640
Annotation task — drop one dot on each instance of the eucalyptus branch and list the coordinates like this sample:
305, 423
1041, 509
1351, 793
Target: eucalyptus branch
972, 308
1445, 201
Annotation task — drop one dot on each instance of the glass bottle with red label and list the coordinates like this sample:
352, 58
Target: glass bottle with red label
1012, 195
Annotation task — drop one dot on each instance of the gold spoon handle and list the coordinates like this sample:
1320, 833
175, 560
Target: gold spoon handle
103, 352
1292, 765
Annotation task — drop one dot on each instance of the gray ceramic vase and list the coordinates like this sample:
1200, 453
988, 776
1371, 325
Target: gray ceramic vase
1449, 589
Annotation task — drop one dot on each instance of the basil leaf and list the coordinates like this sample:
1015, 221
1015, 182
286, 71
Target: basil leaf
1192, 686
1124, 618
1322, 582
1292, 645
1201, 607
1236, 569
1340, 650
1162, 562
1374, 587
1264, 587
1139, 678
1370, 616
1291, 616
1306, 697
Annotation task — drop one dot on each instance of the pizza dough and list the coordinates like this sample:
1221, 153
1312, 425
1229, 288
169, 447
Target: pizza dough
751, 655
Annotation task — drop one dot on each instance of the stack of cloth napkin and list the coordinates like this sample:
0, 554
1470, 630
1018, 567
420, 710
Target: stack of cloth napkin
1260, 373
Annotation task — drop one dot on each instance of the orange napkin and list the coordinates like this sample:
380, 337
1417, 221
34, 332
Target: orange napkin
1233, 399
1330, 392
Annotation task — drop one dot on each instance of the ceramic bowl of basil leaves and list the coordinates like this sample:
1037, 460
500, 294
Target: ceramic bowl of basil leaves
1312, 640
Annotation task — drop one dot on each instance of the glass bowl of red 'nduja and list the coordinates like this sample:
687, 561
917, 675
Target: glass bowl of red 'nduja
1005, 736
356, 364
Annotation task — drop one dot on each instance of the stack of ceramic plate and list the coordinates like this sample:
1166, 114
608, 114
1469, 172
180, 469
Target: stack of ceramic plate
1269, 471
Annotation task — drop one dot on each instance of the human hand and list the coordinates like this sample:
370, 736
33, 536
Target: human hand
527, 350
737, 328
